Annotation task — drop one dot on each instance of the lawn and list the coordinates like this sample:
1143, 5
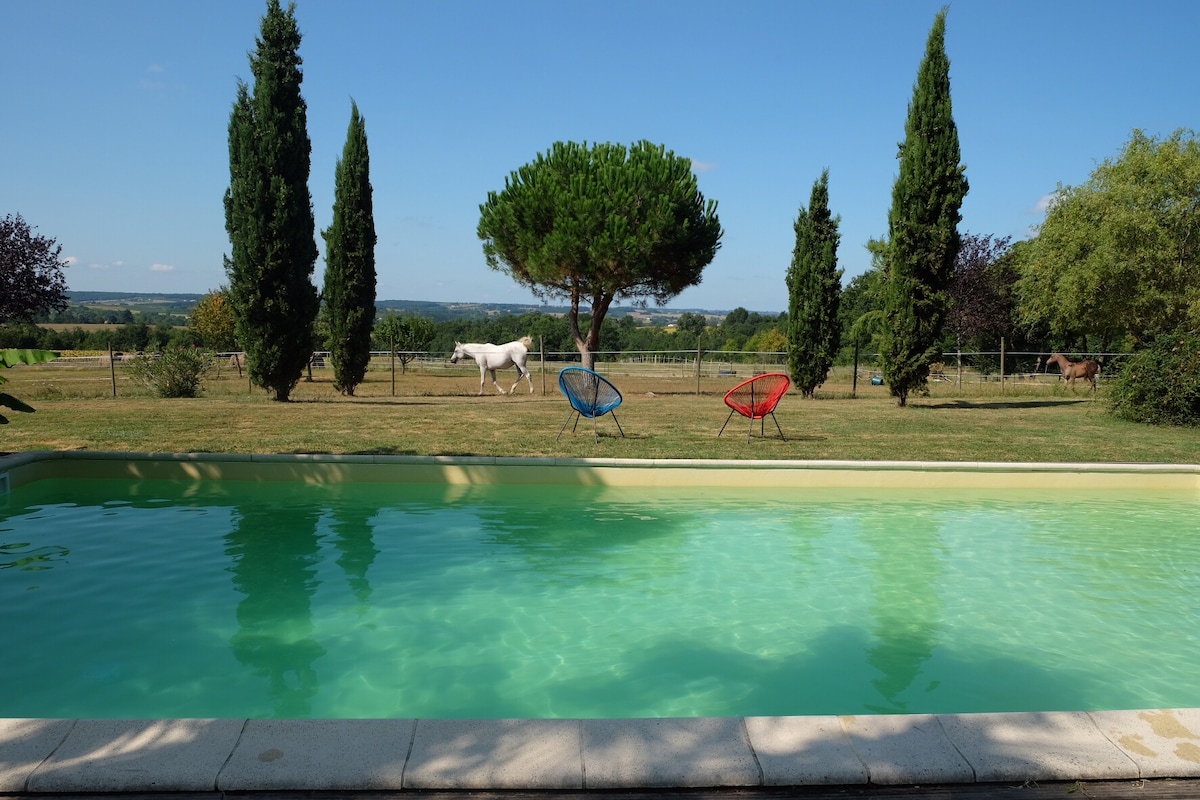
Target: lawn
665, 414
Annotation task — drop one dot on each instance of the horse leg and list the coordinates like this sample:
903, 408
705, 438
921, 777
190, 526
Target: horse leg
522, 372
482, 373
499, 388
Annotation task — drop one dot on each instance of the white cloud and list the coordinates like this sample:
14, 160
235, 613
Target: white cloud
1045, 202
106, 266
69, 260
151, 81
702, 166
161, 268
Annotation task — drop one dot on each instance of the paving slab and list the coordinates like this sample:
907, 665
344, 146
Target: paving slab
796, 751
113, 755
453, 754
1164, 743
906, 748
26, 743
668, 752
1036, 746
317, 754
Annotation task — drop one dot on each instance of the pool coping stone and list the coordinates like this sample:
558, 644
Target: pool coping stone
56, 756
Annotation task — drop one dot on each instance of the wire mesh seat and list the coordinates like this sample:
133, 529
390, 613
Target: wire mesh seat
590, 395
756, 398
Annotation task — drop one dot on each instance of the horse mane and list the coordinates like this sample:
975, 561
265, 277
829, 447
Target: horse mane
526, 340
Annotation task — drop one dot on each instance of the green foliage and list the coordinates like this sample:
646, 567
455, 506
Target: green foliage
1161, 384
177, 372
405, 335
10, 358
1118, 258
213, 321
814, 292
31, 277
922, 225
268, 211
595, 224
350, 262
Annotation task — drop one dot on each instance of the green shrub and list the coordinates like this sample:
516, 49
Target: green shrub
1161, 384
177, 372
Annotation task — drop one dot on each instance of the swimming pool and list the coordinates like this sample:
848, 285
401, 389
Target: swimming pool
284, 587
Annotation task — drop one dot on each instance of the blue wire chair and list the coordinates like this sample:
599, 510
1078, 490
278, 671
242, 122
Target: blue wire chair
590, 395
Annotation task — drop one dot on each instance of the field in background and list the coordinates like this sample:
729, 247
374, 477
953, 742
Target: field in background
435, 411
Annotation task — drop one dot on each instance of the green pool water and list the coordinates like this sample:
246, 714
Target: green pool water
227, 599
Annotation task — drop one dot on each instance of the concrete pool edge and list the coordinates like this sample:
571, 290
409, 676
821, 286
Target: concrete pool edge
19, 468
55, 756
186, 755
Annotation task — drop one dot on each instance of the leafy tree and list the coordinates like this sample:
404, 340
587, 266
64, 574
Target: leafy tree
814, 292
350, 262
600, 223
268, 211
10, 358
689, 323
405, 335
31, 273
213, 320
922, 225
1118, 258
980, 302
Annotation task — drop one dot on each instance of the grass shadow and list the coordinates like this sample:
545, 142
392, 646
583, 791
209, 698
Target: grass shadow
1003, 404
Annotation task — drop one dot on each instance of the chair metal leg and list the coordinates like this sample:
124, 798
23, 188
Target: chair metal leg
781, 436
564, 427
614, 416
726, 423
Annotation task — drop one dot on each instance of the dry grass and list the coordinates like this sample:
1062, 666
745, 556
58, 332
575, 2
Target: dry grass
436, 411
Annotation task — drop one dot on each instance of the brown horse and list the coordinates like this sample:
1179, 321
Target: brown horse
1086, 369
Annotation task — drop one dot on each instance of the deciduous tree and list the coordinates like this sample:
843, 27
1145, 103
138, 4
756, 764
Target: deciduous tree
350, 262
31, 272
268, 211
405, 335
213, 321
981, 303
1117, 258
922, 225
600, 223
814, 292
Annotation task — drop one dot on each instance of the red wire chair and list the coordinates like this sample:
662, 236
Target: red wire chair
756, 398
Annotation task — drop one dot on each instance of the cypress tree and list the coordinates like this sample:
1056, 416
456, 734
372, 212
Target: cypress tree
268, 211
922, 225
350, 262
814, 292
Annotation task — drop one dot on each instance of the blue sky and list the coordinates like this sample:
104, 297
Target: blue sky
114, 140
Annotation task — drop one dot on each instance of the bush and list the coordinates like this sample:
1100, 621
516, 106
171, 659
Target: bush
1161, 384
177, 372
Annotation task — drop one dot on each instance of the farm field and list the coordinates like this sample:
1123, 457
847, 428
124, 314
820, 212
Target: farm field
666, 413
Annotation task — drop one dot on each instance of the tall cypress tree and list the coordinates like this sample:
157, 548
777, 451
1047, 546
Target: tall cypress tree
922, 225
350, 262
814, 292
268, 211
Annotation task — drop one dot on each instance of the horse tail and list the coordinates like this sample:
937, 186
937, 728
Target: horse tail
526, 340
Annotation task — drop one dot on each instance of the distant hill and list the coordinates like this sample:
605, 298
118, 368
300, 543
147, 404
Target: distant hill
439, 311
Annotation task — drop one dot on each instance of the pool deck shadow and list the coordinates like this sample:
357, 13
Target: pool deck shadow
89, 756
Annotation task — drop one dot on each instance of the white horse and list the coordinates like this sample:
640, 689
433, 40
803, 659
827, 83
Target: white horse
491, 357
